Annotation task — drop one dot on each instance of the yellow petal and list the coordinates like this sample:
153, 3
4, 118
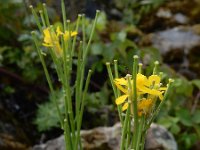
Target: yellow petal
47, 36
154, 79
47, 45
155, 92
141, 80
58, 31
121, 99
120, 81
161, 97
66, 35
74, 33
124, 107
145, 104
148, 90
121, 88
163, 88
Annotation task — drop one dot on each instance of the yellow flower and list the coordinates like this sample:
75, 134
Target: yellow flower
52, 39
150, 85
67, 35
144, 85
144, 106
48, 40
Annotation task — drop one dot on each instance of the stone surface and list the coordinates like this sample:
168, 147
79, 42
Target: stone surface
158, 138
108, 138
179, 47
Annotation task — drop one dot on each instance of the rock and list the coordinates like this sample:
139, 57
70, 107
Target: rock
179, 47
183, 38
158, 138
108, 138
8, 142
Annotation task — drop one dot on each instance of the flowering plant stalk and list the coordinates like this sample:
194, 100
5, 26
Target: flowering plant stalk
61, 43
139, 99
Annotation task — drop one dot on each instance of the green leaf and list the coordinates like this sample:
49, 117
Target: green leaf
196, 83
183, 86
168, 121
185, 117
196, 117
175, 129
97, 49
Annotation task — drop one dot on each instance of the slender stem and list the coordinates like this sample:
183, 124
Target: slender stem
46, 15
134, 101
119, 107
36, 18
47, 77
161, 104
128, 133
111, 78
155, 70
68, 142
78, 79
82, 107
63, 14
83, 32
91, 35
85, 51
140, 67
140, 130
42, 18
69, 100
143, 138
124, 129
75, 37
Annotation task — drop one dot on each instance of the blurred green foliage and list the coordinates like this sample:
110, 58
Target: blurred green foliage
113, 40
134, 10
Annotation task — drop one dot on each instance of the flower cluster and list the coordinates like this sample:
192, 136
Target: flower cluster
52, 39
146, 87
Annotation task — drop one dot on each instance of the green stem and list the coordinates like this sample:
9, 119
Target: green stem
83, 30
36, 18
155, 70
63, 14
75, 37
143, 137
161, 104
82, 108
128, 133
124, 129
111, 78
119, 107
140, 68
47, 77
69, 100
68, 142
134, 101
46, 15
78, 79
42, 17
140, 130
91, 35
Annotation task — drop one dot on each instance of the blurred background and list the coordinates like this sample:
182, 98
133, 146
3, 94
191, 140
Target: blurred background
163, 30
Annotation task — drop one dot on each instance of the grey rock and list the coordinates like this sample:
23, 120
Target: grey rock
183, 38
108, 138
158, 138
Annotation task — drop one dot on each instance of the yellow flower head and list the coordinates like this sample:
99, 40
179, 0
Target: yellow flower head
144, 106
144, 85
52, 39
